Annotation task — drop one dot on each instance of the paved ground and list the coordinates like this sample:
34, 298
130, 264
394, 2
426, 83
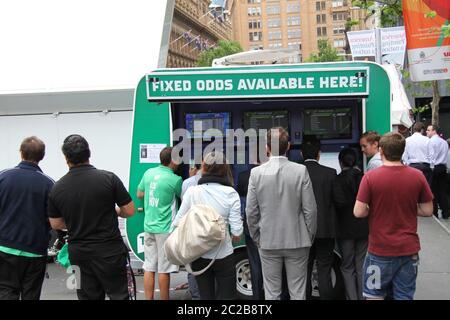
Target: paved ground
433, 281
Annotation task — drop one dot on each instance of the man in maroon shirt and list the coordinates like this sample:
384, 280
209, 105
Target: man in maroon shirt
392, 196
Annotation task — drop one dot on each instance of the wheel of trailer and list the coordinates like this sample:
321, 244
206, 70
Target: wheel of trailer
243, 275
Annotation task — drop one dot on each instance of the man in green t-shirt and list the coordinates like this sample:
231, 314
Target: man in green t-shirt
161, 189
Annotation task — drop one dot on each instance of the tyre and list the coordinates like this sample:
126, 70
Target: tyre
243, 275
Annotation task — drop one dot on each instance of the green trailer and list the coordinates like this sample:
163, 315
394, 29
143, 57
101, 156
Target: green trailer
334, 101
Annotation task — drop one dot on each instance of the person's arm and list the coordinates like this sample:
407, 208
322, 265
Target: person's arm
363, 199
234, 219
431, 153
309, 206
122, 198
361, 209
55, 217
126, 211
140, 194
58, 223
405, 156
178, 187
425, 209
185, 206
252, 210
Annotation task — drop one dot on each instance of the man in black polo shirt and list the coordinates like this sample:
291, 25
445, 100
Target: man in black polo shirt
24, 226
84, 201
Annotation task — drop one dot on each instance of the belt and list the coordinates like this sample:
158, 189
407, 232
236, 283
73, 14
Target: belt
420, 164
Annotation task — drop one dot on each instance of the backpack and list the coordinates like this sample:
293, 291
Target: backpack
200, 230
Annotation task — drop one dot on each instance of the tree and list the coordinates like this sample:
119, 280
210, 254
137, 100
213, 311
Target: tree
223, 48
326, 53
391, 13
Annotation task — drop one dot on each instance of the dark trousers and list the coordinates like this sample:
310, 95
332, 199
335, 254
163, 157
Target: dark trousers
21, 277
353, 254
255, 269
221, 274
438, 186
322, 252
102, 276
426, 170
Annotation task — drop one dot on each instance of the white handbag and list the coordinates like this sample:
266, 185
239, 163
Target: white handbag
200, 230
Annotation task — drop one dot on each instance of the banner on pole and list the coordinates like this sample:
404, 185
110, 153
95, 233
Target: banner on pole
393, 46
428, 38
362, 43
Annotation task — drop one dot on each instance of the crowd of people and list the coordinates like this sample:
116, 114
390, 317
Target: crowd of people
291, 215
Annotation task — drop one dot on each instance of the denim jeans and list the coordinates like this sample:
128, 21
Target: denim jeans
384, 273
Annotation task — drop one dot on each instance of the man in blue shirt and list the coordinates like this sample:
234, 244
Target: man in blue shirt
24, 225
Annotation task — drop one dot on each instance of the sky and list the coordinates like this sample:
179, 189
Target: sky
74, 45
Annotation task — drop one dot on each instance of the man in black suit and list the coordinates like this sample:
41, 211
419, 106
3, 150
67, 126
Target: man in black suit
322, 250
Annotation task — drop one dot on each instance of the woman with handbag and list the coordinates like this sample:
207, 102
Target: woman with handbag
215, 189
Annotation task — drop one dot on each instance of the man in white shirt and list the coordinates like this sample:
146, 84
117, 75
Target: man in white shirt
417, 153
369, 146
438, 161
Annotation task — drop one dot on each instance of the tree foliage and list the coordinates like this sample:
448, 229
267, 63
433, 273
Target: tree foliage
223, 48
326, 53
391, 13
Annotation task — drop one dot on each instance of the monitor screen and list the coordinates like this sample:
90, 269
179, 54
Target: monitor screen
328, 123
266, 119
207, 120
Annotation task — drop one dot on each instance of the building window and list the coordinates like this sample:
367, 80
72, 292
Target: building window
321, 18
295, 33
253, 1
339, 30
273, 10
339, 43
295, 45
296, 59
275, 35
320, 5
338, 3
275, 45
340, 16
255, 36
293, 21
274, 23
254, 11
321, 31
293, 7
254, 24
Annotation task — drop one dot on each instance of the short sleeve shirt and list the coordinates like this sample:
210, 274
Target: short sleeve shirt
162, 190
392, 193
86, 199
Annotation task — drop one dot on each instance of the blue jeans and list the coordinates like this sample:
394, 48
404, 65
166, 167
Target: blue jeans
384, 273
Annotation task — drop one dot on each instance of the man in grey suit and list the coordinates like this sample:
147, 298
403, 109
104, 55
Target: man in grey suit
281, 216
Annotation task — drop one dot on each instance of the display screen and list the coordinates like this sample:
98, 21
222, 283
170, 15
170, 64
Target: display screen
266, 120
198, 123
329, 123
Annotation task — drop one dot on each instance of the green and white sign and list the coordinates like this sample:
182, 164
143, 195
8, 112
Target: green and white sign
260, 83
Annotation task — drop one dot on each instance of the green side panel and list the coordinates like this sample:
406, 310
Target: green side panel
151, 126
378, 103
